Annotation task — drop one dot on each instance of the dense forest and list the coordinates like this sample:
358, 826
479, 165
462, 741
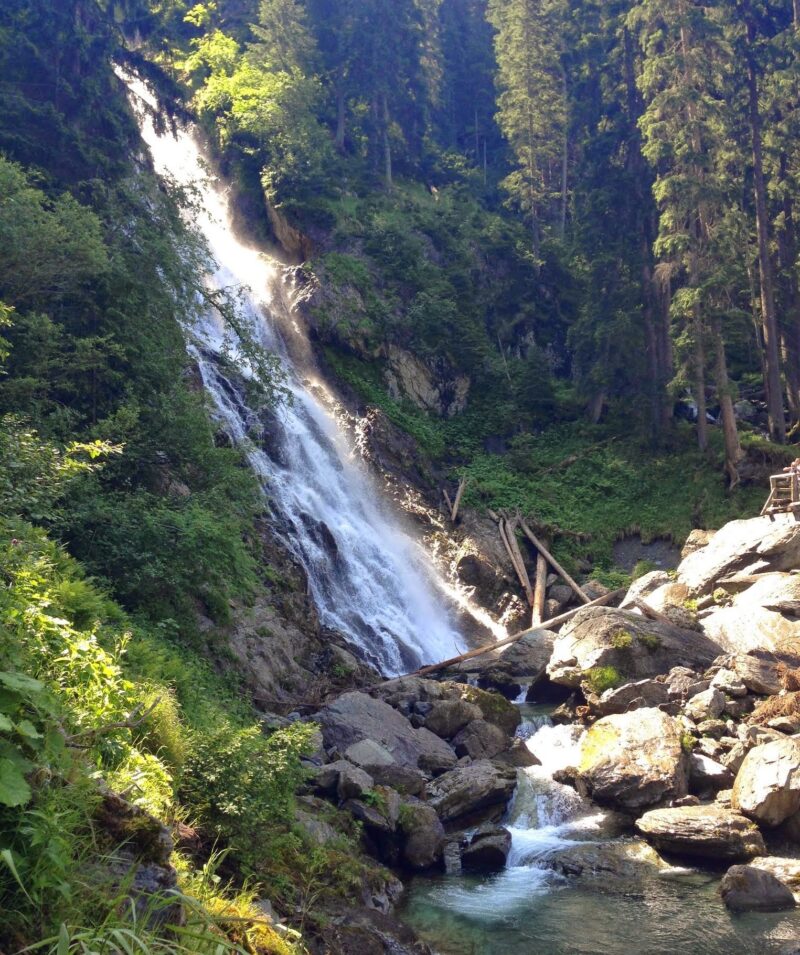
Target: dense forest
574, 221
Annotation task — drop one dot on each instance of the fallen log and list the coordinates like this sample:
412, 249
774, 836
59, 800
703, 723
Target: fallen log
546, 625
539, 589
507, 536
554, 563
454, 510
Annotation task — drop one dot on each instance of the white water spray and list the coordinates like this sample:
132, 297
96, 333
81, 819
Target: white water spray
368, 578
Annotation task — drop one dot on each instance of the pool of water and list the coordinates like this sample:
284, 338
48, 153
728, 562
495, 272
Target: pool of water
531, 910
530, 907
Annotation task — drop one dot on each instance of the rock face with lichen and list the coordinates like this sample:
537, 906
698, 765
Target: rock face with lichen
630, 645
767, 786
633, 760
709, 832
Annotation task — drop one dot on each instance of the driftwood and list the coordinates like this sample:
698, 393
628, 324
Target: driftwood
508, 537
555, 564
539, 589
453, 506
546, 625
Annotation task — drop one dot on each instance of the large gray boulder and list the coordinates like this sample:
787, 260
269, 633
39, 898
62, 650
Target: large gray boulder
633, 760
467, 790
708, 832
760, 672
767, 786
354, 717
626, 644
749, 546
422, 835
481, 740
779, 591
741, 629
487, 850
523, 662
447, 717
631, 696
745, 888
623, 860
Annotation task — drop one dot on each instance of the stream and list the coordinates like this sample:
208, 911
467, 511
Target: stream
533, 907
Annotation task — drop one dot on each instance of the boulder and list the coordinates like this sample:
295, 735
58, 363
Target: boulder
496, 709
354, 717
695, 541
467, 790
747, 546
643, 587
481, 740
518, 756
367, 752
487, 850
624, 645
633, 760
631, 696
779, 592
745, 888
707, 776
523, 662
709, 832
447, 717
728, 682
783, 868
353, 782
625, 860
741, 630
758, 671
422, 835
767, 786
707, 705
403, 779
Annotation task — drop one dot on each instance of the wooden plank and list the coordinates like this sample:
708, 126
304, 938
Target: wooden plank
546, 625
555, 564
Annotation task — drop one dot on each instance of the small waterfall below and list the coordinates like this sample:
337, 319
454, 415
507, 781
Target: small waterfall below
368, 578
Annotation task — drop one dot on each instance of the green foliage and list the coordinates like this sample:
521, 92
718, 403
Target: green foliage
642, 567
621, 640
600, 679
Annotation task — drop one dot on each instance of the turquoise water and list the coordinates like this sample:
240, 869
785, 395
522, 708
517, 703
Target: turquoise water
530, 908
524, 910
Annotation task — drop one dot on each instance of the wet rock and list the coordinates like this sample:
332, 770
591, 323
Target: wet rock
495, 709
744, 888
747, 546
633, 760
522, 663
767, 786
481, 740
447, 717
518, 756
707, 705
354, 717
709, 832
467, 790
369, 932
626, 860
625, 644
487, 850
422, 835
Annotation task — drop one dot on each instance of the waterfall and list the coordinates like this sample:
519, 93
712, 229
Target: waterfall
368, 578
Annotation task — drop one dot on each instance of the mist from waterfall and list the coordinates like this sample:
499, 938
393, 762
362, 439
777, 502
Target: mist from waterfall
368, 578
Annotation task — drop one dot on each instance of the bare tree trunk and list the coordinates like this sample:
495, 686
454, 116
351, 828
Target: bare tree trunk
387, 145
562, 225
539, 590
790, 327
733, 450
340, 111
772, 382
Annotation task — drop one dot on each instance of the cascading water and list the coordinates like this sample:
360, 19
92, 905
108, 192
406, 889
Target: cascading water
369, 580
